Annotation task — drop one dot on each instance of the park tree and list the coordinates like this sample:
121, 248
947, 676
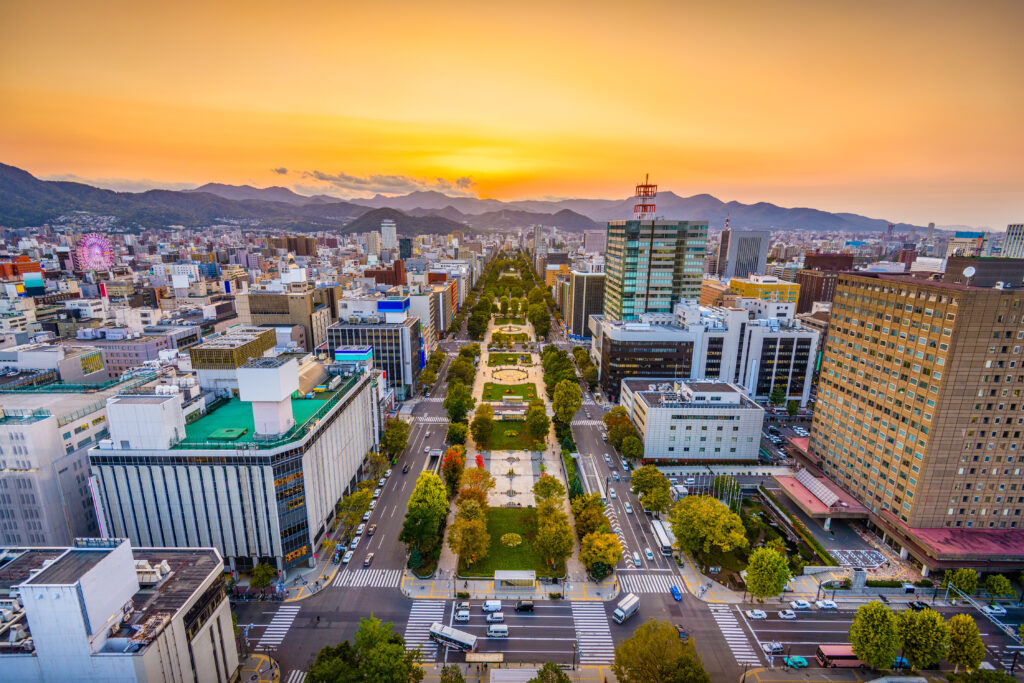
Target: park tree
567, 400
590, 520
632, 448
620, 432
767, 573
873, 635
600, 547
536, 296
656, 500
924, 637
483, 425
459, 401
457, 433
503, 305
590, 376
537, 423
550, 673
468, 538
351, 508
477, 478
428, 377
473, 494
452, 465
428, 506
548, 488
463, 370
964, 580
655, 654
262, 575
778, 395
966, 647
648, 478
792, 407
702, 523
451, 674
378, 654
554, 535
395, 437
997, 586
513, 307
470, 508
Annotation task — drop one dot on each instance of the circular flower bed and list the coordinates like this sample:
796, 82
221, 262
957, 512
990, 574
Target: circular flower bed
511, 540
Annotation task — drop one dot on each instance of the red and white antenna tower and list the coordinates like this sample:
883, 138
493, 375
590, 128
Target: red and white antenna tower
727, 222
644, 206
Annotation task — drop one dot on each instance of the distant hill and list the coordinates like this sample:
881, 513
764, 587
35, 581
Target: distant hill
407, 225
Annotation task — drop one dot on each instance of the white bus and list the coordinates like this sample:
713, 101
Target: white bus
663, 535
451, 637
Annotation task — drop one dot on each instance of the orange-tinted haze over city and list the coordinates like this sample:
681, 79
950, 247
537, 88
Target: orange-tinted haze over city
910, 111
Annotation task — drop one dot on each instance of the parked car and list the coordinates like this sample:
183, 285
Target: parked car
690, 481
756, 614
348, 557
388, 473
381, 482
360, 529
994, 610
787, 614
800, 604
773, 648
377, 492
676, 594
366, 516
827, 604
795, 662
373, 504
354, 544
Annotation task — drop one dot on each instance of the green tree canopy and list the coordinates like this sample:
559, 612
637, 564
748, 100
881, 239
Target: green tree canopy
873, 635
590, 376
378, 654
655, 654
600, 547
548, 487
998, 586
648, 478
568, 399
656, 500
262, 575
778, 395
468, 538
457, 433
966, 647
428, 506
964, 579
537, 422
924, 637
632, 448
451, 674
350, 509
395, 437
459, 401
428, 377
554, 535
618, 433
483, 425
701, 523
767, 573
792, 407
550, 673
463, 370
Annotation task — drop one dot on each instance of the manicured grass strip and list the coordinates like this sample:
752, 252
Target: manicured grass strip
496, 392
496, 358
510, 435
509, 321
510, 520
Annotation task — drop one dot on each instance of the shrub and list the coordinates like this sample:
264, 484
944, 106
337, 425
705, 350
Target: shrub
883, 583
462, 595
924, 583
511, 540
555, 596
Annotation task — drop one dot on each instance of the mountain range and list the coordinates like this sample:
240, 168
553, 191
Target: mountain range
28, 201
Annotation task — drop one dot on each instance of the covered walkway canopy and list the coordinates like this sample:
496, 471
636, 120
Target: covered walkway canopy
515, 579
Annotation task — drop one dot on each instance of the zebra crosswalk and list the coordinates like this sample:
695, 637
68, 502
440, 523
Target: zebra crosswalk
613, 519
735, 636
594, 636
432, 399
647, 583
417, 631
368, 578
295, 676
278, 627
431, 419
579, 422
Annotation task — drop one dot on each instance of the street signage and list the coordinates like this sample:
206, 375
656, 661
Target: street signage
484, 657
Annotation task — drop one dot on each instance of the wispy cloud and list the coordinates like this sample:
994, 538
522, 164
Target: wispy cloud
281, 170
392, 184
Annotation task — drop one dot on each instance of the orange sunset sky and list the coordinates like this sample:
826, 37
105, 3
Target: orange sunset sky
911, 111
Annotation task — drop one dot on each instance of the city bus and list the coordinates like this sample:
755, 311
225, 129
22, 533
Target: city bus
663, 536
451, 637
837, 657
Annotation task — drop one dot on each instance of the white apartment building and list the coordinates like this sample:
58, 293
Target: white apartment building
388, 234
693, 422
103, 611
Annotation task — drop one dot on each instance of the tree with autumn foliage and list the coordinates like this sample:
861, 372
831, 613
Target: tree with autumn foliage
452, 464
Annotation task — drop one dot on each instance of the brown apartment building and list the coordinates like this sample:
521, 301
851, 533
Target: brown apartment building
920, 415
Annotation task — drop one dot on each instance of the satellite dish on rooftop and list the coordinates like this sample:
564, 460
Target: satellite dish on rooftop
969, 271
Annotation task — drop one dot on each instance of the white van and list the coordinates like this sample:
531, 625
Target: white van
497, 631
495, 617
492, 605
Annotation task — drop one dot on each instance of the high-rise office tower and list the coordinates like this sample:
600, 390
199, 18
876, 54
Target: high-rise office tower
742, 253
594, 241
404, 248
1013, 243
374, 243
388, 234
918, 413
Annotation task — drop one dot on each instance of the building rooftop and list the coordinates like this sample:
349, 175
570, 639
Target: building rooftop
234, 337
965, 544
69, 567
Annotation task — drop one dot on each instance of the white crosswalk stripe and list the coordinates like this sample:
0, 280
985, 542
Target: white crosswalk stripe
589, 402
417, 631
586, 423
432, 419
647, 583
278, 627
432, 399
368, 578
613, 519
734, 634
295, 676
593, 633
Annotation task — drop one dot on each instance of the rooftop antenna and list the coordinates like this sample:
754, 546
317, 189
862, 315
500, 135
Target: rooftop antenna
968, 273
643, 207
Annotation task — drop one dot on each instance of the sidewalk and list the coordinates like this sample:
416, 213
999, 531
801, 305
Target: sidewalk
481, 673
259, 668
445, 585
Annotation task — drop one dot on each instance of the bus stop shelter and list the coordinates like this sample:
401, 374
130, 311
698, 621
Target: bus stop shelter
521, 580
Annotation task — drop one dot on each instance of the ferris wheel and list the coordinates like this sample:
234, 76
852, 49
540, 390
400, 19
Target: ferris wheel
94, 252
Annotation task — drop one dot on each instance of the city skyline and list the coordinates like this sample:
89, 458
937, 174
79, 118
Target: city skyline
908, 113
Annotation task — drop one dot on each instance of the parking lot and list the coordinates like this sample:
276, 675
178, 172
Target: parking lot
868, 559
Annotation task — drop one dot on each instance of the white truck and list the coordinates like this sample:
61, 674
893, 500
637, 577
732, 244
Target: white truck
626, 608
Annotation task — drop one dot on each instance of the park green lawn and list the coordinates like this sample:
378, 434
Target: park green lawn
505, 320
495, 392
508, 359
501, 521
511, 435
502, 337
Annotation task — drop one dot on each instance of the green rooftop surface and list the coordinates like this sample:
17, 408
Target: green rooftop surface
236, 416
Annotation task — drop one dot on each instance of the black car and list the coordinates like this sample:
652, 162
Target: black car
917, 605
524, 605
405, 469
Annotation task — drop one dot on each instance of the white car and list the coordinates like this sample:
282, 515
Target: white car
366, 515
462, 616
373, 504
773, 648
426, 449
381, 482
648, 554
354, 544
611, 494
388, 473
690, 481
348, 557
787, 614
994, 610
827, 604
756, 614
377, 492
800, 604
629, 509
